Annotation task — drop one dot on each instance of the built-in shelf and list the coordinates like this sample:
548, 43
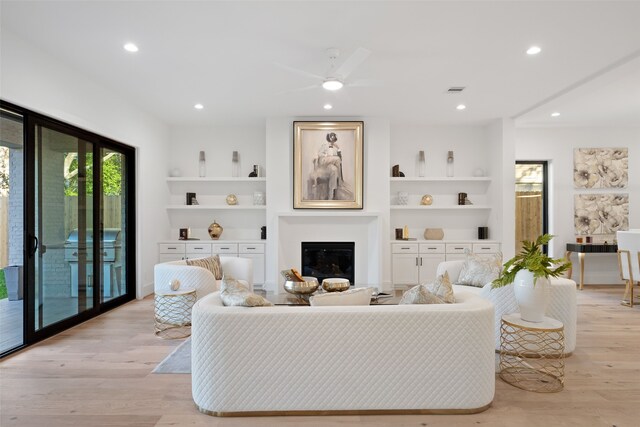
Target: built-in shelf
427, 208
215, 179
215, 207
442, 179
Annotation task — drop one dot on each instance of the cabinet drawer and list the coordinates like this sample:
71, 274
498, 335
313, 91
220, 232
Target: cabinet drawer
199, 248
457, 248
486, 248
172, 248
224, 248
404, 248
432, 248
248, 248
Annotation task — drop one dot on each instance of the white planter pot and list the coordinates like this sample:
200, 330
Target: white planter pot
532, 299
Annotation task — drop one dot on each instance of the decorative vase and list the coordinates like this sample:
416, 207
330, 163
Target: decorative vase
215, 230
202, 169
426, 200
421, 164
533, 299
232, 200
403, 197
258, 198
450, 164
235, 164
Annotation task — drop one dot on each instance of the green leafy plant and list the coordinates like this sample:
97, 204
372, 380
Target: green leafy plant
533, 259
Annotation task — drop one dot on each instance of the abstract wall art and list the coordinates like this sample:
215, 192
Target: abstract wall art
603, 213
600, 167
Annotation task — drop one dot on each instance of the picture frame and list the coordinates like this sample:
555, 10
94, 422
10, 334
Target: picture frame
184, 234
328, 165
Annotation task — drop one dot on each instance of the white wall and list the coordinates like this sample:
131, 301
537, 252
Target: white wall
501, 136
469, 145
556, 146
35, 80
218, 143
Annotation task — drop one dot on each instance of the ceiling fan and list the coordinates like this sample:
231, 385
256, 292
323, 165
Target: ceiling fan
335, 78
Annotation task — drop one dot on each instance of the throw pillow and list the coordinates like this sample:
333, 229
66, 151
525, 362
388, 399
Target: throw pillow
442, 288
419, 295
234, 293
211, 263
478, 270
357, 296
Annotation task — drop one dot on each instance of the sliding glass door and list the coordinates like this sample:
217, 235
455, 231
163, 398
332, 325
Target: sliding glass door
74, 225
64, 220
11, 229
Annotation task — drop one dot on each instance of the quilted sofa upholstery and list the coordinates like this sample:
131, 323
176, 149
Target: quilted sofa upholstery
563, 304
201, 279
287, 360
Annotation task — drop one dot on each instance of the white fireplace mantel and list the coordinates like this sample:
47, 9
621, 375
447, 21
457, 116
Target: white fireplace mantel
365, 229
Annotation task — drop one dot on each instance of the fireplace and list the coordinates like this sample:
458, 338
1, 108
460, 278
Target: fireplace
328, 259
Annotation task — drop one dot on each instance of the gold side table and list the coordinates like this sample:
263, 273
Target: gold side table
532, 354
172, 313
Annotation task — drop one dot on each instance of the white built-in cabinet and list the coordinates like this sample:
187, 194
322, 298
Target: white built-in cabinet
179, 250
241, 222
417, 262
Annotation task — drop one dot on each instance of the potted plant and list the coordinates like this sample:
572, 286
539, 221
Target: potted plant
529, 271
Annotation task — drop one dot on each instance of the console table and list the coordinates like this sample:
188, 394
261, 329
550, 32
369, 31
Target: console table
586, 248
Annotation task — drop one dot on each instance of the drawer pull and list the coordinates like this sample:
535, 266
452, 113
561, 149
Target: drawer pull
224, 249
432, 249
458, 249
405, 249
488, 249
198, 248
252, 249
172, 248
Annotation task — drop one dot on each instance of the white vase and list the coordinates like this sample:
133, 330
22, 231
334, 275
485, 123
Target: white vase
532, 299
403, 197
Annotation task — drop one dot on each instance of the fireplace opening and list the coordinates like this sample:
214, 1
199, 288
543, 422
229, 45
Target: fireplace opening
325, 260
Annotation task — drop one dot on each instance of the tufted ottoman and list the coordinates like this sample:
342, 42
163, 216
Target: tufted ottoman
423, 359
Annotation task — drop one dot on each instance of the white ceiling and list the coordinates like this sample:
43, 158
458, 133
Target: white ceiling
225, 55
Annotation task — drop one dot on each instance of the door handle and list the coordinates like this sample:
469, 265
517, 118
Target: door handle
34, 247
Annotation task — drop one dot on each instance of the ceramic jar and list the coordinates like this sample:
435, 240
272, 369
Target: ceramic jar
215, 230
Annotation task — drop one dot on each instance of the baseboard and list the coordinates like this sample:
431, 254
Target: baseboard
145, 291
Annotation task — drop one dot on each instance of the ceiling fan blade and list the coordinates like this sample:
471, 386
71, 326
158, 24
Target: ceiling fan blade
300, 89
298, 71
352, 62
365, 83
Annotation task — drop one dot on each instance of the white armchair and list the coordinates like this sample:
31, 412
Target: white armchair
629, 262
201, 279
563, 304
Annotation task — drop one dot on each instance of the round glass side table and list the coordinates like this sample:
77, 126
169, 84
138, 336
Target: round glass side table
532, 354
172, 313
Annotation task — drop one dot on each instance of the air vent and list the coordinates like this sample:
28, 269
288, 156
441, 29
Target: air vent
455, 89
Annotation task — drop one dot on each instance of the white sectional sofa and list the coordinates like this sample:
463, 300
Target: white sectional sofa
563, 303
436, 358
201, 279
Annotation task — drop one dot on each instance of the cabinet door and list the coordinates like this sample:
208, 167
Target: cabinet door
405, 269
429, 265
258, 267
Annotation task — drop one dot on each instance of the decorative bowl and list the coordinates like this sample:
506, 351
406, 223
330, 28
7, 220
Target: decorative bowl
335, 285
309, 286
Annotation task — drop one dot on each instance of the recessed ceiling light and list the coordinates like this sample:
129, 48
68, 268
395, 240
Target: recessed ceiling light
327, 106
461, 107
130, 47
534, 50
556, 114
198, 106
332, 84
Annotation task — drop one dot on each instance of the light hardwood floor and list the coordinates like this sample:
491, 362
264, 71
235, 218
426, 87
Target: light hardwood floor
99, 374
